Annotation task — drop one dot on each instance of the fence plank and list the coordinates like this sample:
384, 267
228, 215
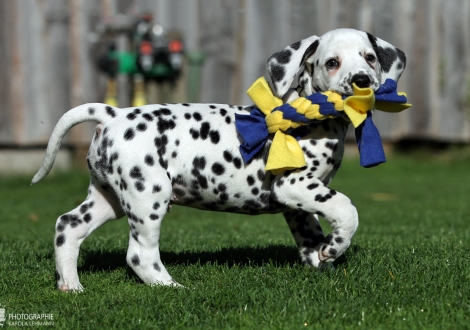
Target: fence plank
9, 65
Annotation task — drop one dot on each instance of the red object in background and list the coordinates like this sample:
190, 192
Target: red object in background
175, 46
146, 48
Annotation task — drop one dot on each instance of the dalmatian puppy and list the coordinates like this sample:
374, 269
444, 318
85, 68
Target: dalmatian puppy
143, 160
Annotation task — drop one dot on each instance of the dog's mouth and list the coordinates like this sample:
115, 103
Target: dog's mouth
347, 91
343, 92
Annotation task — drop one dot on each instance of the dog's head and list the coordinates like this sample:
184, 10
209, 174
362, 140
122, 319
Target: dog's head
334, 62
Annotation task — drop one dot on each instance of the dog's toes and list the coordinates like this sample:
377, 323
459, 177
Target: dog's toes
76, 289
177, 285
64, 287
170, 282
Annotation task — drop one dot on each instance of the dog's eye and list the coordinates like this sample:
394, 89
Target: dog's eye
331, 64
370, 58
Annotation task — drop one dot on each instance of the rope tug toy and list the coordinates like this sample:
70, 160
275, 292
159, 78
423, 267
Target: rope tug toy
285, 121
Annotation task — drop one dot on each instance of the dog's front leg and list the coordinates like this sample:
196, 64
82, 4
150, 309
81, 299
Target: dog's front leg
313, 197
308, 235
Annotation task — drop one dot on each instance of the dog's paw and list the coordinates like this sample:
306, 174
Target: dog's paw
69, 288
310, 257
171, 283
327, 254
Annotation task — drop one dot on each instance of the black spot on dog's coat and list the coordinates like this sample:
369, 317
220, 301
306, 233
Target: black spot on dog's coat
87, 217
110, 111
277, 72
215, 137
283, 57
386, 57
205, 129
197, 116
295, 45
147, 117
149, 160
228, 156
135, 260
135, 173
164, 125
199, 163
139, 186
60, 240
218, 169
331, 145
141, 127
237, 162
129, 134
312, 186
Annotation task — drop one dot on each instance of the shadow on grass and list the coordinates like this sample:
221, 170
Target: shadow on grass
97, 260
278, 255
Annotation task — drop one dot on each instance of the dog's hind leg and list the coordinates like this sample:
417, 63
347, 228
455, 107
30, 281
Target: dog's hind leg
73, 227
307, 233
146, 202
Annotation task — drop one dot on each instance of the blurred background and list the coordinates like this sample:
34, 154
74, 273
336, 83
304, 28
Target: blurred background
57, 54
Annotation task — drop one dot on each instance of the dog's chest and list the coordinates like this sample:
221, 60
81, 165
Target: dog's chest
323, 148
196, 147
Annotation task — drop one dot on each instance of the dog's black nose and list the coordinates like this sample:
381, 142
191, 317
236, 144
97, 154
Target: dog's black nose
361, 80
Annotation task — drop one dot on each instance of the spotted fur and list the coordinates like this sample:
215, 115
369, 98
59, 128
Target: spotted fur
143, 160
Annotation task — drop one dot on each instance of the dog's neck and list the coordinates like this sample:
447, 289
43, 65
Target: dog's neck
295, 93
292, 94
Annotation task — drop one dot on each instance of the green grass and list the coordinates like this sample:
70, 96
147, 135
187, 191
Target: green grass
408, 266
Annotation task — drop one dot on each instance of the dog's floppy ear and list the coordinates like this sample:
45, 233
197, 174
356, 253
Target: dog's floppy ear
391, 59
283, 66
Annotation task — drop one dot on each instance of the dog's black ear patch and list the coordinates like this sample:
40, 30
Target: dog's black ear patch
392, 60
310, 51
372, 39
295, 45
283, 57
402, 57
277, 72
387, 56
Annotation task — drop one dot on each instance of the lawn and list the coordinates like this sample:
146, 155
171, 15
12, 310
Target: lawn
407, 268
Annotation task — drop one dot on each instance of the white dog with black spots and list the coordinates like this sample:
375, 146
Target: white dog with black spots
142, 160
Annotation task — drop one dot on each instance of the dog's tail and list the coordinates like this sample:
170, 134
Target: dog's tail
97, 112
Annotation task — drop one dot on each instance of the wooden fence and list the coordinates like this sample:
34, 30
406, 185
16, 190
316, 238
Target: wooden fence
47, 55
